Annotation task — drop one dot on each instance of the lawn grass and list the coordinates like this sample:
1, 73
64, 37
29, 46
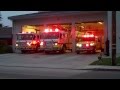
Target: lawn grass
106, 61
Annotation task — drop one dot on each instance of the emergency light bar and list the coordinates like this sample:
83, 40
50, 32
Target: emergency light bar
50, 30
28, 32
87, 36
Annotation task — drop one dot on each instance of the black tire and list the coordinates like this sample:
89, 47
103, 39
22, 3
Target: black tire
93, 51
36, 50
23, 51
63, 50
78, 52
47, 52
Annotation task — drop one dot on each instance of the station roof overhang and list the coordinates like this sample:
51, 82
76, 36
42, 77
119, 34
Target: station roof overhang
53, 13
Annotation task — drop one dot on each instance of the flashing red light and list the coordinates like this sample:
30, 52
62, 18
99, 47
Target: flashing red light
46, 30
38, 41
41, 43
56, 30
34, 42
87, 45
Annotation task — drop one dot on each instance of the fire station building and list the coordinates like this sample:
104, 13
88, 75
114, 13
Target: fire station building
72, 20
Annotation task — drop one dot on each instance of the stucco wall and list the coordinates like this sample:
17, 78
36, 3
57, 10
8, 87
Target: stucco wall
118, 32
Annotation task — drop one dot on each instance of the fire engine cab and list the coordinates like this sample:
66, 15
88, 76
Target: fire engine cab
27, 42
86, 42
54, 40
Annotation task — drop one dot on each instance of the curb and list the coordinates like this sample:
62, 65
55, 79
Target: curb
93, 68
101, 69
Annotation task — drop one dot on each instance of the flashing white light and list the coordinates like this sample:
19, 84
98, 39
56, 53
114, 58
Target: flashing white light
29, 44
41, 43
46, 30
79, 45
92, 35
56, 30
16, 45
56, 44
91, 44
85, 36
50, 30
87, 45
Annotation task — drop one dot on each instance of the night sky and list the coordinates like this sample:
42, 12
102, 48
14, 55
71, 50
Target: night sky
6, 14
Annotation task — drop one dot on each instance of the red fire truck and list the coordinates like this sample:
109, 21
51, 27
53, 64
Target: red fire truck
53, 40
27, 42
86, 42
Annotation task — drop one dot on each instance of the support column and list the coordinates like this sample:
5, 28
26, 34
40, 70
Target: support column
16, 29
73, 33
106, 39
109, 17
13, 38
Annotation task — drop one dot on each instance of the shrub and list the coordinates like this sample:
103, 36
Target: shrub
5, 49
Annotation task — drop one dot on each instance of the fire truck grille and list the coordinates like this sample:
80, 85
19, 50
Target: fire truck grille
22, 44
84, 46
49, 44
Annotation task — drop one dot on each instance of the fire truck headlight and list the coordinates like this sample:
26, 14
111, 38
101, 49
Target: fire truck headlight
29, 44
16, 45
79, 45
91, 44
41, 43
56, 44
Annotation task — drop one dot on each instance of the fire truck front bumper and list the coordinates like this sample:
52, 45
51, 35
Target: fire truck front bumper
84, 49
53, 49
41, 48
26, 48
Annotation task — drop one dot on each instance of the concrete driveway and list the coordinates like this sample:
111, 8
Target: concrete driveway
57, 61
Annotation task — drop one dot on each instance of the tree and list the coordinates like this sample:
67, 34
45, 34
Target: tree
0, 19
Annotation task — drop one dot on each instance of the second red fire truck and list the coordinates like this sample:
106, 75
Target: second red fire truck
55, 40
86, 42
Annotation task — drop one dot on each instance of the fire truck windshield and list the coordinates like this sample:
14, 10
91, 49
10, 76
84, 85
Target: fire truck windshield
87, 39
25, 36
50, 35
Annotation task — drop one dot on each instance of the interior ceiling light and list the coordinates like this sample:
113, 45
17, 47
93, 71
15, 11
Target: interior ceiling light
100, 23
82, 26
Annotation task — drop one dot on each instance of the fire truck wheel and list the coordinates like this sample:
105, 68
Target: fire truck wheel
23, 51
78, 52
93, 51
46, 52
36, 50
63, 49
